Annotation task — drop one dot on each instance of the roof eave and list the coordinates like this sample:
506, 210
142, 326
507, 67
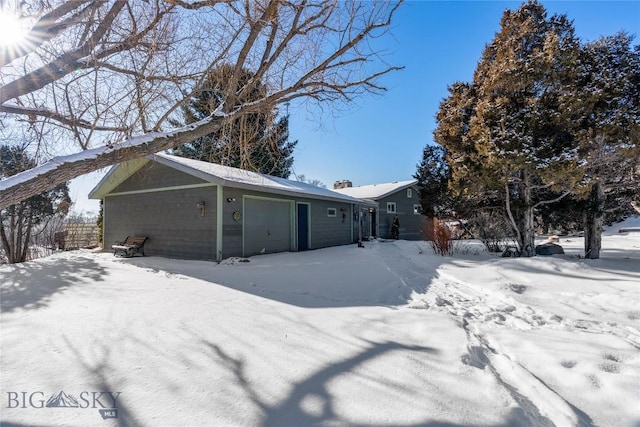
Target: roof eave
116, 176
119, 173
396, 190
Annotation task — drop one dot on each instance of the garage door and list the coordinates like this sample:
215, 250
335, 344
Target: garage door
267, 226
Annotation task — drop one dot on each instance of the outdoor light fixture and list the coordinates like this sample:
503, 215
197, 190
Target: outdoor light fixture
230, 199
200, 205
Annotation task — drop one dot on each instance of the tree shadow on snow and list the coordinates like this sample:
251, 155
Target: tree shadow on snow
100, 372
609, 269
31, 285
380, 275
291, 411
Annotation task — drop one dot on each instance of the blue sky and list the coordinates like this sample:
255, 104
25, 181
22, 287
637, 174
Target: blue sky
439, 42
380, 138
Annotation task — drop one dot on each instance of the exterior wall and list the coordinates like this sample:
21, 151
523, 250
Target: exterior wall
169, 218
410, 223
149, 204
330, 231
155, 175
324, 231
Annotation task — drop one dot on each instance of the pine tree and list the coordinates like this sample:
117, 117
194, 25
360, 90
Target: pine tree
508, 132
433, 177
257, 141
606, 103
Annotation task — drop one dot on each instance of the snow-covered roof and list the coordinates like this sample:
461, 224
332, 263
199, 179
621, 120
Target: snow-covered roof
222, 175
376, 191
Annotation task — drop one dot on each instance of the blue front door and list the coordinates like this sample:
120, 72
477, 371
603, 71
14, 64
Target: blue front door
303, 227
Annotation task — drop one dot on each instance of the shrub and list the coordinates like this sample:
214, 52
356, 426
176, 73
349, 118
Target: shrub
440, 236
492, 228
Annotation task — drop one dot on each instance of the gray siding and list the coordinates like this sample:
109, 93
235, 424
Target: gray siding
411, 224
170, 219
324, 231
150, 206
267, 226
330, 231
153, 176
232, 230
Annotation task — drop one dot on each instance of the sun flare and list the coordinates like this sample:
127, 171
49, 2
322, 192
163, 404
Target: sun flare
12, 31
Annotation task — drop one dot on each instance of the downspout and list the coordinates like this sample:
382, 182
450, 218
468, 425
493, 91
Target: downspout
351, 221
104, 222
219, 218
359, 223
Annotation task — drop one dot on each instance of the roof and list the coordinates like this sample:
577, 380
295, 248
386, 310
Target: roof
219, 175
376, 191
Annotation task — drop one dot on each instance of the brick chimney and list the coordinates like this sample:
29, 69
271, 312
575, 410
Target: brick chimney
345, 183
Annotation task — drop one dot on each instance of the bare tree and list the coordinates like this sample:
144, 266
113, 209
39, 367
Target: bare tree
106, 77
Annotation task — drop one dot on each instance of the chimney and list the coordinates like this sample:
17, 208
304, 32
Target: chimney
345, 183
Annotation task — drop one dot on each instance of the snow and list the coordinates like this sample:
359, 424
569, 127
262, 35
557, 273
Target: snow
232, 176
376, 191
94, 153
388, 335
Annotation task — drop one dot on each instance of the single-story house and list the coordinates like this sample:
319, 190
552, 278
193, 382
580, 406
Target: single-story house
198, 210
394, 199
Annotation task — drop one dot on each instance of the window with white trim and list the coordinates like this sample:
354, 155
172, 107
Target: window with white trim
391, 207
332, 212
409, 193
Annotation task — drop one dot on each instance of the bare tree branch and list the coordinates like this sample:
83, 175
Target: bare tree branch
60, 169
62, 66
47, 28
103, 71
557, 199
32, 113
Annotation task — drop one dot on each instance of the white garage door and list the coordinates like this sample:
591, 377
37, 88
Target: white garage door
267, 226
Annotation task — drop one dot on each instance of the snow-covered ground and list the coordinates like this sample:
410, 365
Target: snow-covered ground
388, 335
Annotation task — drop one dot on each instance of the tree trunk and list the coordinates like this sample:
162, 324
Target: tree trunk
528, 236
27, 240
5, 242
593, 222
528, 243
512, 220
61, 169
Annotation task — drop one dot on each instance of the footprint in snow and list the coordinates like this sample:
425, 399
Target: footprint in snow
609, 367
595, 382
612, 357
517, 288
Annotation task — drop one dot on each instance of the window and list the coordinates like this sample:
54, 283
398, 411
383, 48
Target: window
409, 193
417, 209
332, 212
391, 207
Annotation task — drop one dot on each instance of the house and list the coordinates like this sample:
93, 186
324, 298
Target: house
398, 198
198, 210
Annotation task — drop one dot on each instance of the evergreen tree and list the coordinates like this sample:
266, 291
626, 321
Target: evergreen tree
257, 141
433, 177
100, 222
508, 132
606, 103
17, 222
